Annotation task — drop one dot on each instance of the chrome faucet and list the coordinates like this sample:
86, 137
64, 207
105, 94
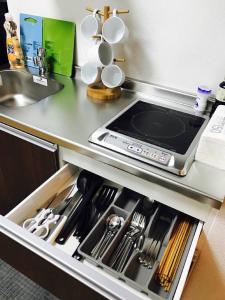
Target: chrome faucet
41, 62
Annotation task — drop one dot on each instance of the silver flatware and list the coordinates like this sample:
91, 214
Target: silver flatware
128, 243
113, 223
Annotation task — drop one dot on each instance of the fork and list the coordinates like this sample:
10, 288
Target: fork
122, 244
131, 245
128, 244
92, 213
152, 245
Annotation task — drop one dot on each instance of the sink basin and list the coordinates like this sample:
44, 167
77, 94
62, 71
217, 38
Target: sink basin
18, 89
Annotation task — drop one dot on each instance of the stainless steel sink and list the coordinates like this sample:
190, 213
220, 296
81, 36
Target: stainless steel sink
17, 88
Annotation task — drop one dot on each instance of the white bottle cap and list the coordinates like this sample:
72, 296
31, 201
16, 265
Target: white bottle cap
8, 17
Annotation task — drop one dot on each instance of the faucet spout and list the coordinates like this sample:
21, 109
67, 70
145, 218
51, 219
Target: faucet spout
41, 62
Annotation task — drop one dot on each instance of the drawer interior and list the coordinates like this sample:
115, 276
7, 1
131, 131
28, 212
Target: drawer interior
161, 223
43, 195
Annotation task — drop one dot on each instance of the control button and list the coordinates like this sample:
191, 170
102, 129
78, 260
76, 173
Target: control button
138, 150
134, 149
145, 153
154, 156
162, 158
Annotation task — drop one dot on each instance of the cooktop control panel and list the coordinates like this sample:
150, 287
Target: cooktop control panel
141, 150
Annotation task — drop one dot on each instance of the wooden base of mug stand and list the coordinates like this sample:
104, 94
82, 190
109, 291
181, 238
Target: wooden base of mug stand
101, 93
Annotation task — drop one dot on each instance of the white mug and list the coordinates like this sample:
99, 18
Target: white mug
114, 29
112, 76
100, 53
90, 73
91, 25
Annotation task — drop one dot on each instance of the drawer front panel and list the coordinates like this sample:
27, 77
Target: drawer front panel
43, 272
94, 279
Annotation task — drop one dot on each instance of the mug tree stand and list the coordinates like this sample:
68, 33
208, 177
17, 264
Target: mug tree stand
102, 93
98, 91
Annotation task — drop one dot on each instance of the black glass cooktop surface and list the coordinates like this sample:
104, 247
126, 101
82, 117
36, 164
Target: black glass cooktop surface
164, 127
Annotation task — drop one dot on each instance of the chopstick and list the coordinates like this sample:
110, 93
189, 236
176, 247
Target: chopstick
170, 261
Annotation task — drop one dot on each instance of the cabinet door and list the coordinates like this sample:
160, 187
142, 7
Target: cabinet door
24, 166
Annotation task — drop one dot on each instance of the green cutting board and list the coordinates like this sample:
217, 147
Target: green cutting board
58, 40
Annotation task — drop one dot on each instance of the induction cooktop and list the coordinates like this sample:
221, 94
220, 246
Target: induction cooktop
154, 134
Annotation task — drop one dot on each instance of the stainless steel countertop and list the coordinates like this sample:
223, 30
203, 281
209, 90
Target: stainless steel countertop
69, 117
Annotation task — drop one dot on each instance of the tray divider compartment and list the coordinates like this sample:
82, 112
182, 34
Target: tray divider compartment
136, 273
105, 260
128, 200
152, 221
142, 204
153, 285
139, 274
96, 233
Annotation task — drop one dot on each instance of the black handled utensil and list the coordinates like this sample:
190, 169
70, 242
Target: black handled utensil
92, 214
87, 183
102, 202
72, 201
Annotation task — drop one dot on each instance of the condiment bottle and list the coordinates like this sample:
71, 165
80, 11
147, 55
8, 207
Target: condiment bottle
203, 94
14, 51
220, 96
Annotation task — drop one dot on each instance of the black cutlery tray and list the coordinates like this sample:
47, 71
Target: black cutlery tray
135, 274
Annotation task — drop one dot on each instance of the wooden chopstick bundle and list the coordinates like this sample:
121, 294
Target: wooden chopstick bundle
173, 253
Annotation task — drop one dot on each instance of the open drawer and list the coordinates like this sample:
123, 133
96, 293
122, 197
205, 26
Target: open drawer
55, 269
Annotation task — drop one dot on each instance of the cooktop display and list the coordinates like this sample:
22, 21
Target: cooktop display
154, 134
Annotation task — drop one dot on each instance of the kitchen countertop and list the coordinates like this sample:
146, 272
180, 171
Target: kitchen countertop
69, 117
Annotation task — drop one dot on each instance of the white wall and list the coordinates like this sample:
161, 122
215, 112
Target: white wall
176, 43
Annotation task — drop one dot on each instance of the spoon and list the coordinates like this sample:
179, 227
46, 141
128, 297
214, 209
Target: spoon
113, 227
113, 223
98, 245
